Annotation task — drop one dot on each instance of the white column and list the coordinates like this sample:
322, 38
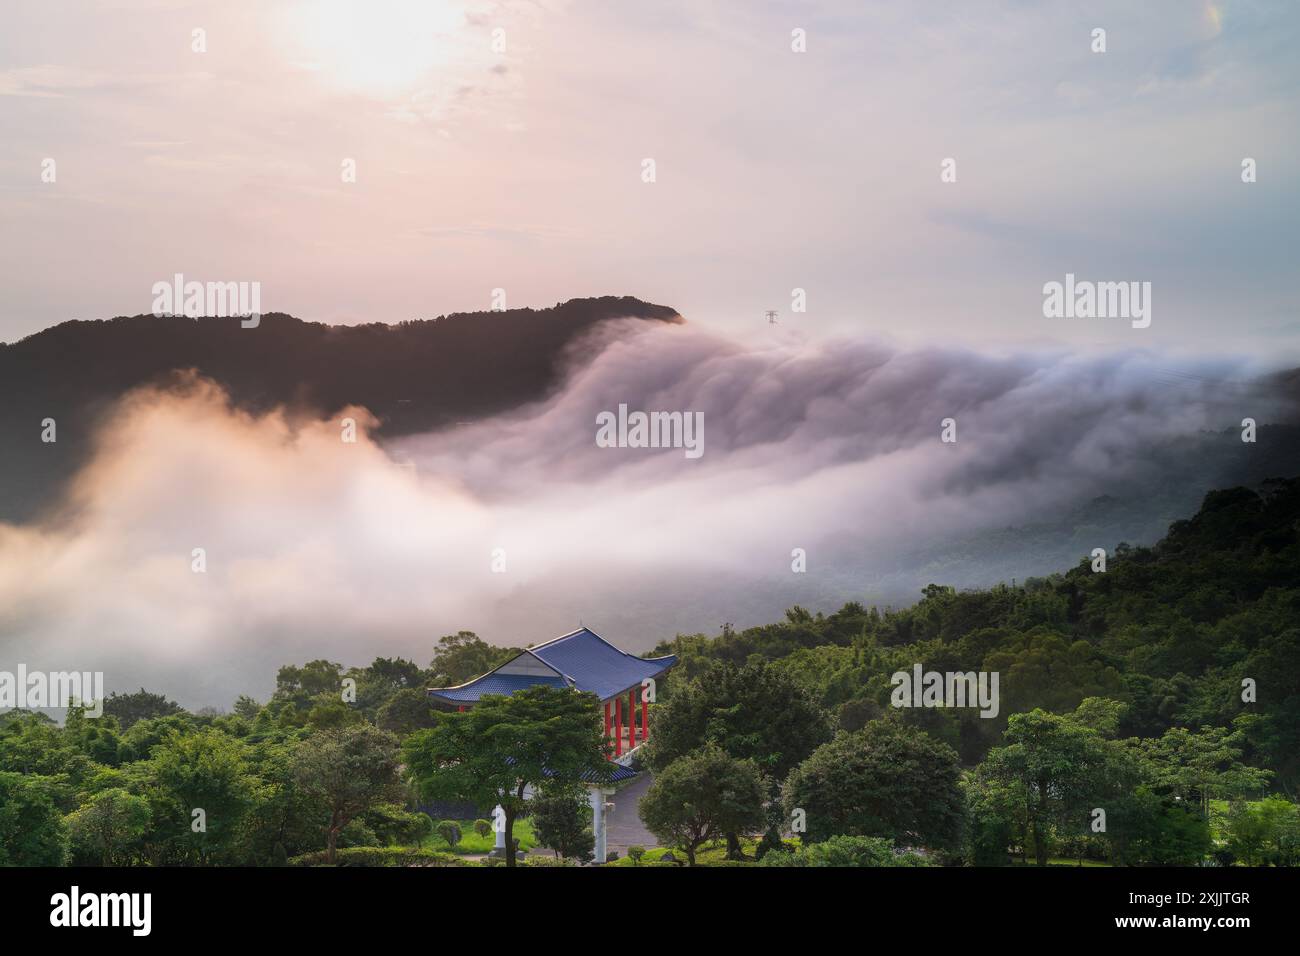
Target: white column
499, 826
597, 798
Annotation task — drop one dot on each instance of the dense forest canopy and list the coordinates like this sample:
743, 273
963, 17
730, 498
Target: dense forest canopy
1171, 631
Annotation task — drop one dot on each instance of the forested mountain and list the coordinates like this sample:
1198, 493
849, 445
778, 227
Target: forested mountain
1170, 631
1121, 690
413, 376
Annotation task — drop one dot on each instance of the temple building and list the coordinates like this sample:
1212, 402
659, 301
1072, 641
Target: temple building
586, 662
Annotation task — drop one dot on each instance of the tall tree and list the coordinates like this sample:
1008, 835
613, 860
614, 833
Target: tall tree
106, 827
301, 684
128, 708
463, 655
204, 771
702, 796
756, 712
505, 746
283, 814
1057, 769
32, 831
347, 770
886, 780
1200, 765
407, 710
396, 672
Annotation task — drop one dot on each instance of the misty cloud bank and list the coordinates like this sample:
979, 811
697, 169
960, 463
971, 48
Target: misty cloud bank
319, 548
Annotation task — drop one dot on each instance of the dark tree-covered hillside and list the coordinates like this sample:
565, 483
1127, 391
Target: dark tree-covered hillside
1170, 632
413, 376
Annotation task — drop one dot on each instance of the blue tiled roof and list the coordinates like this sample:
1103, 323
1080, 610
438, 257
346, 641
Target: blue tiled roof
494, 683
620, 774
595, 665
586, 661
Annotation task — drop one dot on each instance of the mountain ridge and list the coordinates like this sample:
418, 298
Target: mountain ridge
414, 376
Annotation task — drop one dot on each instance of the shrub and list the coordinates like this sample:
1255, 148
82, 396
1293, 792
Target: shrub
636, 852
771, 841
381, 856
989, 838
356, 833
1083, 845
449, 830
482, 827
560, 820
845, 851
393, 823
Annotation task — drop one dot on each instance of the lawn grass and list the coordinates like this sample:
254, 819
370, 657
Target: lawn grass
472, 843
715, 854
383, 856
710, 854
1061, 861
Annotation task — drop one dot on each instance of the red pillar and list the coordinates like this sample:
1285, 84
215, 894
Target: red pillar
631, 719
607, 722
618, 729
460, 709
645, 728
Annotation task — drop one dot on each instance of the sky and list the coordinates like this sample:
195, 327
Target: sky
500, 145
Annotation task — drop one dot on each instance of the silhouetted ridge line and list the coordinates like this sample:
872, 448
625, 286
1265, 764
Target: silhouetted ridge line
414, 376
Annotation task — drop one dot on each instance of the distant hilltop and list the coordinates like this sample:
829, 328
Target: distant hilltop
414, 375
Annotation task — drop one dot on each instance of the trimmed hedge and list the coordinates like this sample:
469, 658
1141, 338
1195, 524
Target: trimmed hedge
382, 856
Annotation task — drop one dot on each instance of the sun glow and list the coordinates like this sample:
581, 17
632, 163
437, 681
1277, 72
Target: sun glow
380, 47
